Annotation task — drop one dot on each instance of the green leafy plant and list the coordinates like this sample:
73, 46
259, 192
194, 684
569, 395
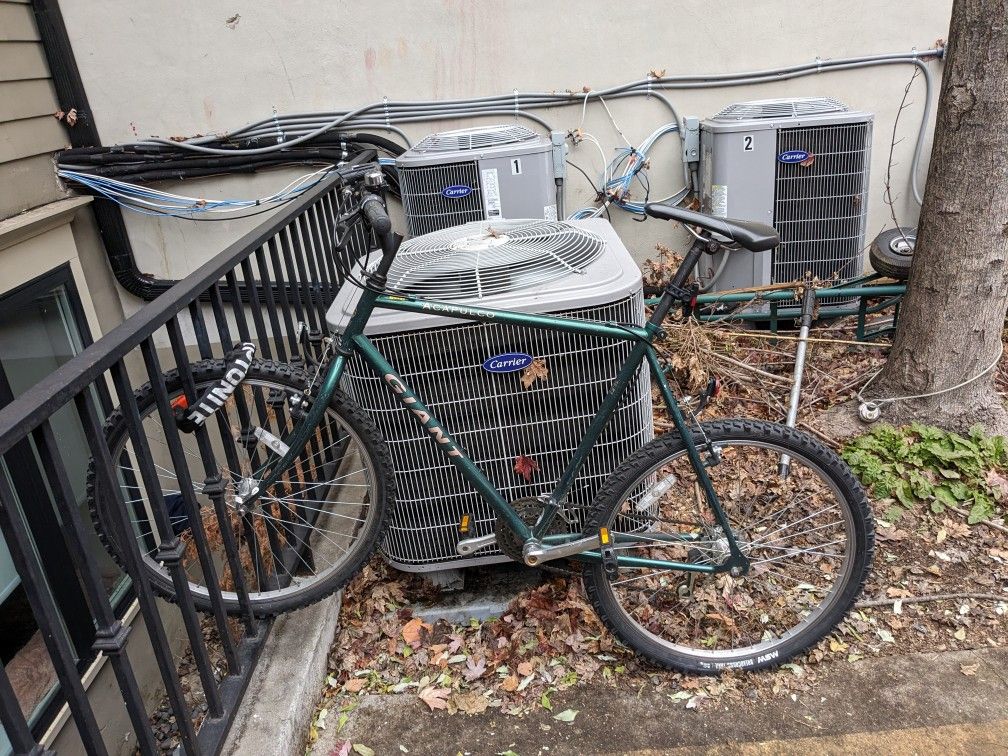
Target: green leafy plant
923, 464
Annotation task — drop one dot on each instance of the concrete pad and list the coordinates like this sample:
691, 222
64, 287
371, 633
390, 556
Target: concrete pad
488, 591
282, 694
892, 700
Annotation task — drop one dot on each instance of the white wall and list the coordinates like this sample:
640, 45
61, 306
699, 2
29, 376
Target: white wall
177, 69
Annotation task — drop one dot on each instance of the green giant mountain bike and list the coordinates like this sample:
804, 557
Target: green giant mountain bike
723, 544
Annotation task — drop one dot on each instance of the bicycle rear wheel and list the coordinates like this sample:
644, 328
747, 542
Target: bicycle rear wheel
300, 541
808, 535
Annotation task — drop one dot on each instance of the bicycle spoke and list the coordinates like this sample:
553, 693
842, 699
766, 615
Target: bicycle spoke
786, 528
299, 531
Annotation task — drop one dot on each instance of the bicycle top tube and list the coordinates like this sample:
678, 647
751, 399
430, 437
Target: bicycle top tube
457, 311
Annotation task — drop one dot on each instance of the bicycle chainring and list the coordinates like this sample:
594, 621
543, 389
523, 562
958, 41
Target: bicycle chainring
528, 509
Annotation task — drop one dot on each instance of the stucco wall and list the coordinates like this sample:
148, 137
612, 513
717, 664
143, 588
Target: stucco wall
179, 69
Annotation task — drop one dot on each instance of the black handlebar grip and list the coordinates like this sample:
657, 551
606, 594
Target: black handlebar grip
374, 211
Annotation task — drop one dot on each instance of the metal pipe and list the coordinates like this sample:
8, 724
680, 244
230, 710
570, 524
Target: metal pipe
781, 295
387, 112
807, 308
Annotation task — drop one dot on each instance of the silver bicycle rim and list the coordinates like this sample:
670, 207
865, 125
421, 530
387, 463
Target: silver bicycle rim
337, 521
842, 575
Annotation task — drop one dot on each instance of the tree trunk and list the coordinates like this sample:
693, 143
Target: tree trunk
952, 318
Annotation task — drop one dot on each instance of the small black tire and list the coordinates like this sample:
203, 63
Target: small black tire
891, 253
779, 439
282, 376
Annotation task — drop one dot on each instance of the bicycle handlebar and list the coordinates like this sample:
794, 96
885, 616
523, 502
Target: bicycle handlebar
373, 209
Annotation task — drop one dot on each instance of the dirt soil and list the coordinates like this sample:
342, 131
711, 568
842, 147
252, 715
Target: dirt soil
912, 704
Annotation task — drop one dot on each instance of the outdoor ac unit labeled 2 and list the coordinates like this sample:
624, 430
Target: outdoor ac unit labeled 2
484, 173
800, 165
578, 269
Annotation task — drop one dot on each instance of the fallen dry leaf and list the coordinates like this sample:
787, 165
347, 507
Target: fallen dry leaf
414, 631
470, 703
525, 466
567, 715
537, 371
435, 698
998, 484
474, 670
354, 684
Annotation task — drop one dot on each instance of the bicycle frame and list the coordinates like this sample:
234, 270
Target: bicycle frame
353, 340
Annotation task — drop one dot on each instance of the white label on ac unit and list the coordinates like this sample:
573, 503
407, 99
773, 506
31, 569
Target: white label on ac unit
515, 166
719, 200
549, 212
491, 193
747, 143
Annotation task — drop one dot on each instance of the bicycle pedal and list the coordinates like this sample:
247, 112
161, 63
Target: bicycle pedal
463, 527
609, 564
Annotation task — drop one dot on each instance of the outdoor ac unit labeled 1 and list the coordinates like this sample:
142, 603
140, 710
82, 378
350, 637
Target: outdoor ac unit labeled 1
800, 165
483, 173
578, 269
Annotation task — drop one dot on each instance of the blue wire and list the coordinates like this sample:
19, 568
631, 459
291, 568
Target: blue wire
122, 193
617, 187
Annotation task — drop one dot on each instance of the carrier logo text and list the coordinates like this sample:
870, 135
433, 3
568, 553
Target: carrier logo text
456, 191
509, 362
793, 156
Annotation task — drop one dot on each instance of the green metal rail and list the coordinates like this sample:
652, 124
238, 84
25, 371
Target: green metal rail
863, 288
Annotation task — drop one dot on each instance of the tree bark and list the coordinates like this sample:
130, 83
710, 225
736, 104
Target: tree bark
952, 317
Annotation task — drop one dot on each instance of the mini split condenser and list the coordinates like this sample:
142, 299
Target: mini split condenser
484, 173
800, 165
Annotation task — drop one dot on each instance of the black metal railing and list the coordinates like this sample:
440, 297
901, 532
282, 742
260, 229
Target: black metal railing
271, 287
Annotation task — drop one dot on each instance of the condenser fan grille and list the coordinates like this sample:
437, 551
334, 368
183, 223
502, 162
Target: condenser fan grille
484, 258
796, 107
474, 139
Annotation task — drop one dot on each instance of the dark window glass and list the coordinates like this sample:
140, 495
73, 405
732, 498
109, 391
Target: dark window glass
41, 327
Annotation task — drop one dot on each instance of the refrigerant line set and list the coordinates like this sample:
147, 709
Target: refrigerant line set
322, 138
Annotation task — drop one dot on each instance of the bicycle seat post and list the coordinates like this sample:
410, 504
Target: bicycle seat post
675, 291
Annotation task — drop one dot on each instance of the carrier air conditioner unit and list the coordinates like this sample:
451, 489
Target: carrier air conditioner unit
578, 269
800, 165
484, 173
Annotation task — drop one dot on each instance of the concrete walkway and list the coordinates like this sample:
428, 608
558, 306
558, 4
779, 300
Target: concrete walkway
917, 704
280, 701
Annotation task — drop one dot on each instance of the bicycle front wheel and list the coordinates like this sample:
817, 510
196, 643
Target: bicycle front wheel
299, 542
807, 532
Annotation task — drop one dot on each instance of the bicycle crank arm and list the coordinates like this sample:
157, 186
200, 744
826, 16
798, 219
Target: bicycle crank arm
536, 553
469, 546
